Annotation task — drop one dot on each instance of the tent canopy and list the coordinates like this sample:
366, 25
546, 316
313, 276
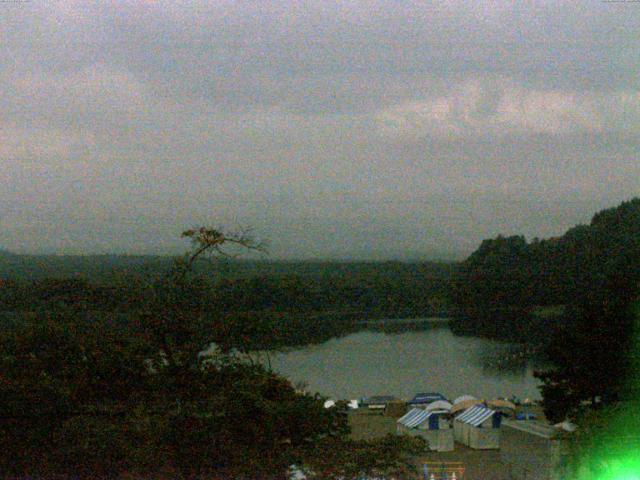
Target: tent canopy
463, 405
440, 406
498, 403
462, 398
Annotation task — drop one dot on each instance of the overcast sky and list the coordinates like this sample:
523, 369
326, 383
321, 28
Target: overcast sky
336, 128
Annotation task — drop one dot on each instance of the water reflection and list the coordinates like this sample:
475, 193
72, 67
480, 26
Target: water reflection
495, 357
510, 358
404, 358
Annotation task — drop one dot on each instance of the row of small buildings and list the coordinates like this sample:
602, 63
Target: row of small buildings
477, 426
529, 449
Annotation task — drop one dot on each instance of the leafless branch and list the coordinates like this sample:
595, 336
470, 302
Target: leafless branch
210, 239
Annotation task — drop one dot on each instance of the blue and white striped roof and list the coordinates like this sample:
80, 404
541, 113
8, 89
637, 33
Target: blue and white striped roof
414, 417
475, 415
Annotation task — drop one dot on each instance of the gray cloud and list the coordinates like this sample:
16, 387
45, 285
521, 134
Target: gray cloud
367, 128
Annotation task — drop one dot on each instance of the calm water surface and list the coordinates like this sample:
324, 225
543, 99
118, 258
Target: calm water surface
403, 363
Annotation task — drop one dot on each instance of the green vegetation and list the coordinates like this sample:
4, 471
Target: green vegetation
500, 289
269, 305
104, 398
607, 444
590, 278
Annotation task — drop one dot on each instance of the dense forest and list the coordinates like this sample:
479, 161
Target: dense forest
270, 304
508, 288
104, 269
511, 288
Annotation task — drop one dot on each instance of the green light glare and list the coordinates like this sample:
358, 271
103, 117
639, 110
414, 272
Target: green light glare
612, 436
624, 467
622, 472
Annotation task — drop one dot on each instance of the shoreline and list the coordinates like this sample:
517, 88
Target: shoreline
403, 321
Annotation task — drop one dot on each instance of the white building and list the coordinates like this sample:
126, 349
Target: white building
434, 427
478, 427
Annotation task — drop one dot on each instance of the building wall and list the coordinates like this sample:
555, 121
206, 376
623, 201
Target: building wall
480, 438
439, 440
443, 440
458, 432
528, 456
484, 438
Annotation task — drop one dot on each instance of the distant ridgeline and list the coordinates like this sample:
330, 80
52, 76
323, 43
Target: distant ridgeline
268, 303
512, 289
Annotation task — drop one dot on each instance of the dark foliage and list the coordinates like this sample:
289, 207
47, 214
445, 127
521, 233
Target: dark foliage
594, 272
496, 290
85, 396
281, 309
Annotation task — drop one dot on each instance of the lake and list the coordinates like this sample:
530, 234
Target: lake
417, 356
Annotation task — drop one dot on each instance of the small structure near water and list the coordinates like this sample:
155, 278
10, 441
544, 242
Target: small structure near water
378, 402
439, 406
533, 450
434, 427
463, 405
478, 428
424, 399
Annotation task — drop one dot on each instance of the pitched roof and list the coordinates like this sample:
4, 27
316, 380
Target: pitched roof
414, 417
532, 427
476, 415
439, 405
462, 398
427, 397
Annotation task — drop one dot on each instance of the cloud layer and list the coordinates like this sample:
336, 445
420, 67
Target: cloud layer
495, 108
381, 128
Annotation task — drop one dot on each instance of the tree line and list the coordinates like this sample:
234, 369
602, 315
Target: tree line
281, 309
109, 378
502, 285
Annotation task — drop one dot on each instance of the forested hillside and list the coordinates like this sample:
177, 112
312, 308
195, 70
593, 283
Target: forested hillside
268, 303
498, 289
